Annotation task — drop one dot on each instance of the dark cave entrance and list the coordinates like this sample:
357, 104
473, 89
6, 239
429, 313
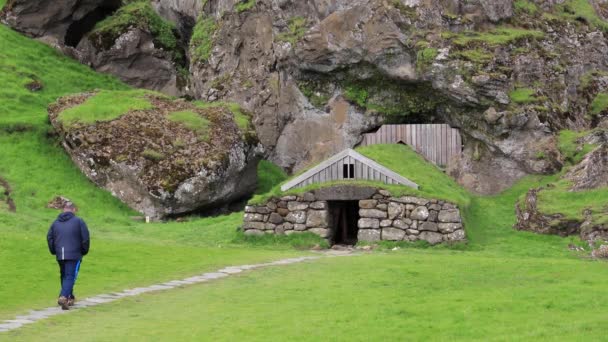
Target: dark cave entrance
344, 217
79, 28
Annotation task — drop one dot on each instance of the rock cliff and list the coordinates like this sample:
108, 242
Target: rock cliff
317, 74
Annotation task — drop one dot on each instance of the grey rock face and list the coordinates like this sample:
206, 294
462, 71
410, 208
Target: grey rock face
420, 213
592, 172
369, 235
392, 234
373, 213
317, 218
431, 237
369, 223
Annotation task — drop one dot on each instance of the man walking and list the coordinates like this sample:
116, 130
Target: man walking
68, 239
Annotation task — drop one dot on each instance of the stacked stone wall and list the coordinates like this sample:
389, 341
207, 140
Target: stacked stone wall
382, 217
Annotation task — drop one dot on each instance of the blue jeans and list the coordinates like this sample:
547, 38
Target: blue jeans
69, 272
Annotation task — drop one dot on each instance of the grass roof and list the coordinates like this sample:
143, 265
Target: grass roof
433, 182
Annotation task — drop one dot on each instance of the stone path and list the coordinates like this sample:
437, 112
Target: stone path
36, 315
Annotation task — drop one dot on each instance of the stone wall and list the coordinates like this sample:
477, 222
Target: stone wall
382, 217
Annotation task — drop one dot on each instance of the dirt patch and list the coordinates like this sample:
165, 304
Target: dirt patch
6, 195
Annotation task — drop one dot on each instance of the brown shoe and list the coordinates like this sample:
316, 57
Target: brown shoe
63, 302
71, 301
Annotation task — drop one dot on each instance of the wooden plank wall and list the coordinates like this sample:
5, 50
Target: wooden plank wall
333, 172
438, 143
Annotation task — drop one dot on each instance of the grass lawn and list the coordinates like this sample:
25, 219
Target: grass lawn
404, 295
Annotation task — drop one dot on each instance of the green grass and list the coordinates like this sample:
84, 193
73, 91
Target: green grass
139, 14
572, 204
105, 105
497, 37
475, 55
525, 6
241, 118
582, 10
413, 295
269, 175
402, 159
572, 151
296, 28
522, 95
201, 42
245, 5
425, 57
599, 104
194, 122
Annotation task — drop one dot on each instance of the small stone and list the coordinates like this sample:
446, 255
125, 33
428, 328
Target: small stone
262, 210
275, 218
283, 211
270, 226
288, 226
299, 227
368, 223
431, 237
382, 206
448, 206
254, 232
457, 235
400, 224
368, 204
272, 206
254, 225
393, 234
308, 197
428, 226
289, 232
433, 214
394, 210
250, 209
318, 205
279, 230
412, 232
322, 232
374, 213
317, 218
435, 207
293, 206
282, 204
253, 217
368, 235
491, 116
413, 238
296, 217
377, 196
410, 207
288, 198
414, 225
384, 193
386, 223
449, 215
449, 227
421, 213
410, 200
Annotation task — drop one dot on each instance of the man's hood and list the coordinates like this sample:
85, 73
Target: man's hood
65, 216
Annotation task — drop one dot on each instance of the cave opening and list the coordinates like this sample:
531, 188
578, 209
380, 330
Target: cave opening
79, 28
344, 218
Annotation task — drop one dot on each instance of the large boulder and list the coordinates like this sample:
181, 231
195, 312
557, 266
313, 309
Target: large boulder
592, 172
164, 157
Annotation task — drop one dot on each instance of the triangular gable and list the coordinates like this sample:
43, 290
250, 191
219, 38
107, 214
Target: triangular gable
357, 156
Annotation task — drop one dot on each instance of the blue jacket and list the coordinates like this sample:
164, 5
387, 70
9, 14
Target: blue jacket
68, 237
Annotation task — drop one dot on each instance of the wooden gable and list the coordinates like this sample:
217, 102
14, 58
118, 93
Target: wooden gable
348, 165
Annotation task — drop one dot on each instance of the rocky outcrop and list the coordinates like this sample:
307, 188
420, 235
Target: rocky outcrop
135, 59
381, 216
530, 218
592, 172
130, 51
159, 165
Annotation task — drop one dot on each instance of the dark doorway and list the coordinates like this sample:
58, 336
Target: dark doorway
344, 216
79, 28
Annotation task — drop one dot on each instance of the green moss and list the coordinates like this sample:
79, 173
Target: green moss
496, 37
139, 14
296, 28
152, 155
402, 159
317, 98
582, 10
525, 6
201, 43
244, 5
357, 94
522, 95
475, 55
105, 105
425, 57
599, 104
572, 151
269, 176
241, 118
194, 122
